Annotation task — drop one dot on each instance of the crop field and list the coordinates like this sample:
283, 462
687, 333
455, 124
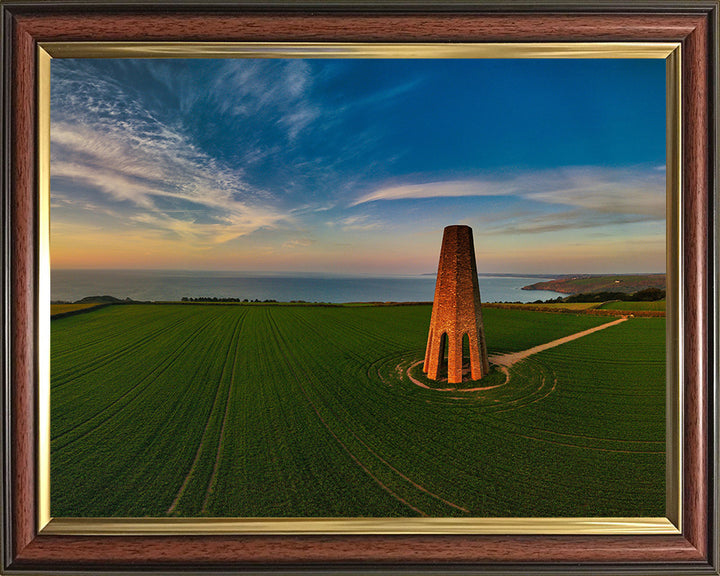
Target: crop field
65, 308
547, 305
251, 411
632, 306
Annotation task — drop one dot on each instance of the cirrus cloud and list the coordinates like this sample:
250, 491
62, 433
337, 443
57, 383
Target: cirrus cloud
639, 191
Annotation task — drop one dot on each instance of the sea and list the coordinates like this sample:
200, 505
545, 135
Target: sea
165, 285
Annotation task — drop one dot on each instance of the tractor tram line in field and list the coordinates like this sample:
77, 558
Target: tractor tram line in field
343, 327
58, 384
100, 325
126, 399
480, 406
537, 395
620, 445
505, 428
354, 435
398, 433
432, 453
288, 419
231, 387
113, 355
342, 444
374, 369
655, 444
277, 422
207, 429
625, 445
310, 411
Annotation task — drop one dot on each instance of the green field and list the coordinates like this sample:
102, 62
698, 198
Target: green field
632, 306
548, 305
65, 308
202, 410
599, 283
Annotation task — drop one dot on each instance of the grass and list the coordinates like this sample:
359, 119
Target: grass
195, 410
548, 305
621, 282
65, 308
631, 306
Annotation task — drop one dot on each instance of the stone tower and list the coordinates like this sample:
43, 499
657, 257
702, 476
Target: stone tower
456, 310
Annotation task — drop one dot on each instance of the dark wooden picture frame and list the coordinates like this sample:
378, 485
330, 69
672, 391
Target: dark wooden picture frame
694, 24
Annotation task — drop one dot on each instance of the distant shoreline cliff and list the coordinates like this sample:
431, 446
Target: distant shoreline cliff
587, 283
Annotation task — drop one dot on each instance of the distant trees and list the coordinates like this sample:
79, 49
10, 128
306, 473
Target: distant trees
216, 299
646, 295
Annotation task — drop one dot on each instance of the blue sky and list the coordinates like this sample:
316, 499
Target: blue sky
357, 165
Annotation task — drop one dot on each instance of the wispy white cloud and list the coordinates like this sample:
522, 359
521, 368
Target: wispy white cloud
212, 153
272, 89
360, 223
148, 168
638, 191
297, 243
443, 189
385, 96
503, 223
296, 121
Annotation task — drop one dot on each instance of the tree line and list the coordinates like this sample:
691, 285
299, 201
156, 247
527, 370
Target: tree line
646, 295
216, 299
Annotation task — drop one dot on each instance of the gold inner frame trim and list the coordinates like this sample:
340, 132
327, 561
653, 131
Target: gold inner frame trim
43, 304
357, 50
294, 526
671, 524
674, 299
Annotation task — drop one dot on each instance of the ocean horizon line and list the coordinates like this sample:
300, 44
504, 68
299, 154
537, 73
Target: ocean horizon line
142, 285
304, 273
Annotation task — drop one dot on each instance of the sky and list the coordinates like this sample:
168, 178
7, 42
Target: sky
356, 166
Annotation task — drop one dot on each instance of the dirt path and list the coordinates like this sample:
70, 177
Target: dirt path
508, 360
504, 361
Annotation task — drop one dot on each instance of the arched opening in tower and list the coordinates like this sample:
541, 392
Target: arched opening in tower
443, 364
466, 354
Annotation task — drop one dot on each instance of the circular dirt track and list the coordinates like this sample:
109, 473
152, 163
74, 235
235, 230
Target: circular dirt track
504, 388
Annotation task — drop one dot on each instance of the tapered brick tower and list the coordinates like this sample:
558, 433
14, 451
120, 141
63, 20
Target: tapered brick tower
456, 310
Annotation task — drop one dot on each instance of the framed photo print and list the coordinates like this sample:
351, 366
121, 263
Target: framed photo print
346, 287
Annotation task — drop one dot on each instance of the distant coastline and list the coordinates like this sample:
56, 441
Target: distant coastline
588, 283
511, 275
164, 285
